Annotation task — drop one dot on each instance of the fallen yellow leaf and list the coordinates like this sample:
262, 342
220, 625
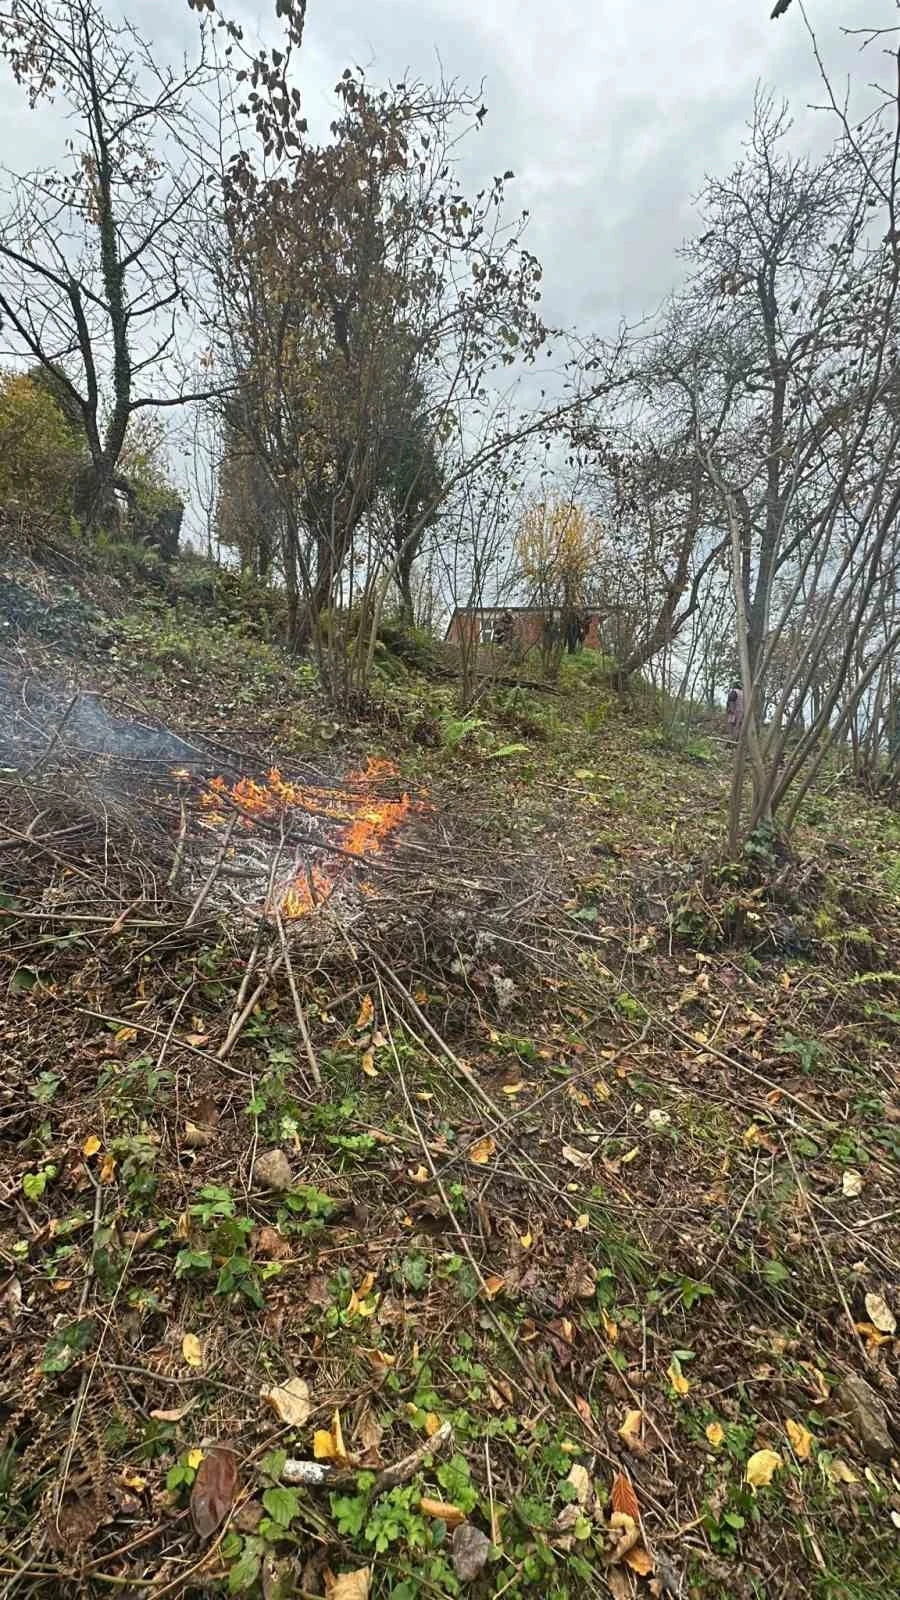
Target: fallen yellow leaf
800, 1437
715, 1433
418, 1174
839, 1472
631, 1155
368, 1064
630, 1431
526, 1241
91, 1145
194, 1458
639, 1560
610, 1328
582, 1222
481, 1152
108, 1168
192, 1350
126, 1035
441, 1511
328, 1443
761, 1468
366, 1013
432, 1424
493, 1285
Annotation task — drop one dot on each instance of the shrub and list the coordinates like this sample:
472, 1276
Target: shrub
40, 452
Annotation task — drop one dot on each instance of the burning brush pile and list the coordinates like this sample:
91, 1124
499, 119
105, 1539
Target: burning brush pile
291, 846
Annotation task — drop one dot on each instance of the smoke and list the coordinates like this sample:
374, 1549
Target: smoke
38, 720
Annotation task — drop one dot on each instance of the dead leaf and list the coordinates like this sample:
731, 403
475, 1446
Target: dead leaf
630, 1433
618, 1584
91, 1145
582, 1222
348, 1585
639, 1560
575, 1158
359, 1304
624, 1499
198, 1040
368, 1064
610, 1328
192, 1350
369, 1432
580, 1479
442, 1511
715, 1433
366, 1014
108, 1168
871, 1335
880, 1313
469, 1549
214, 1491
195, 1137
328, 1443
272, 1245
174, 1415
290, 1401
481, 1152
839, 1472
493, 1285
761, 1468
801, 1439
418, 1174
851, 1183
433, 1424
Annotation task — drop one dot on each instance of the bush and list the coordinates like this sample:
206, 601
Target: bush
40, 452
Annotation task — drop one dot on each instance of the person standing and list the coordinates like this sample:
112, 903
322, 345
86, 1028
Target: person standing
734, 709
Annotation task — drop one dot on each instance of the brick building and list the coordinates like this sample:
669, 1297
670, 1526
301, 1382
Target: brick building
480, 624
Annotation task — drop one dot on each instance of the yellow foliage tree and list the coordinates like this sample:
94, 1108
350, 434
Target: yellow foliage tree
559, 545
40, 452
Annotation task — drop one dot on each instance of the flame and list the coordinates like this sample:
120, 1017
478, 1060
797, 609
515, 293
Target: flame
367, 822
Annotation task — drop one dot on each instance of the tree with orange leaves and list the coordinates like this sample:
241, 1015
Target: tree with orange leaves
559, 545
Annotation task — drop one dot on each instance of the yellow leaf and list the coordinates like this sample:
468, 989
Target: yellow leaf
357, 1306
839, 1472
194, 1458
579, 1478
328, 1443
526, 1241
61, 1285
91, 1145
677, 1378
871, 1335
366, 1013
290, 1401
481, 1152
493, 1285
513, 1088
380, 1360
108, 1168
582, 1222
418, 1174
126, 1035
602, 1089
192, 1350
752, 1137
630, 1431
133, 1480
800, 1437
368, 1064
432, 1424
761, 1468
715, 1433
610, 1328
631, 1155
348, 1585
881, 1314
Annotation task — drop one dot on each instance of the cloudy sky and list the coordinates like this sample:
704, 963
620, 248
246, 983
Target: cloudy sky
609, 111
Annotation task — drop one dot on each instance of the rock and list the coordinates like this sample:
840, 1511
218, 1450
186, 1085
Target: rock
470, 1549
866, 1417
272, 1170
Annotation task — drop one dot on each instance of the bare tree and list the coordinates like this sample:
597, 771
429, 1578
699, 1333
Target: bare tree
95, 268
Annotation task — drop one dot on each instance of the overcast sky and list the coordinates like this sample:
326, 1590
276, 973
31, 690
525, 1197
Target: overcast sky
608, 111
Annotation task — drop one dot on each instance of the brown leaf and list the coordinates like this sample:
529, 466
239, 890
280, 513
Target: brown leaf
630, 1433
272, 1245
214, 1491
348, 1585
442, 1511
623, 1496
174, 1415
290, 1401
470, 1549
618, 1584
369, 1432
366, 1013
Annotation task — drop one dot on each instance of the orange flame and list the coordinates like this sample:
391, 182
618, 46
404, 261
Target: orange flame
367, 822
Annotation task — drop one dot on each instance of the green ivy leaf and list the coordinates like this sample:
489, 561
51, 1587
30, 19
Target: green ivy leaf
282, 1505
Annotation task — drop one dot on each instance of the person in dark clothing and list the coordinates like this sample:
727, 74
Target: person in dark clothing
504, 628
734, 709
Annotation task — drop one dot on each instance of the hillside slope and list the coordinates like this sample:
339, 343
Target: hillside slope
539, 1178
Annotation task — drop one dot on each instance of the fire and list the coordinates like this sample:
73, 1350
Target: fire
366, 823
